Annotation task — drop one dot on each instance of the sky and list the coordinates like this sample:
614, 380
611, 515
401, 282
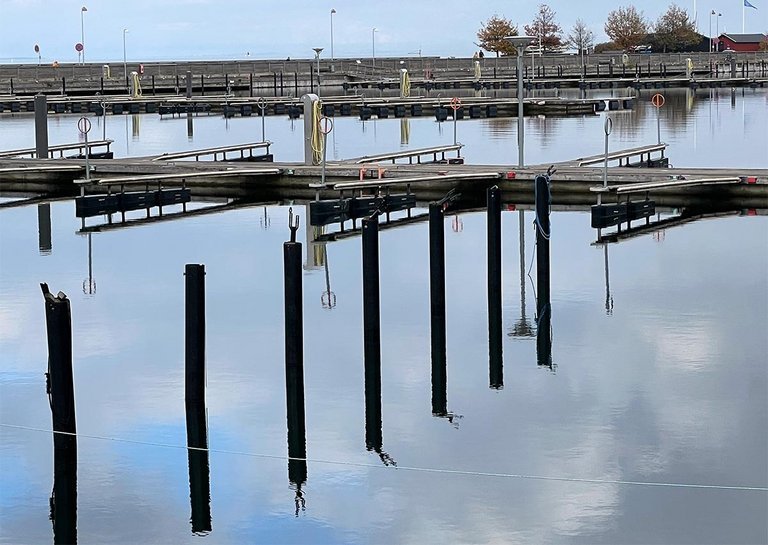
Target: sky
227, 29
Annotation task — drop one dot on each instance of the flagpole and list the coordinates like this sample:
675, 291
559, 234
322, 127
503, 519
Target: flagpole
743, 9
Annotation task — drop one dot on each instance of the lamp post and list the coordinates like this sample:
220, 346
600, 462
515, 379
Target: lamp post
717, 32
333, 11
82, 30
373, 46
317, 51
125, 59
519, 43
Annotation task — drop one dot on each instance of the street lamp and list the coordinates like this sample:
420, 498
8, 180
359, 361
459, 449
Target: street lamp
519, 43
125, 61
717, 26
317, 51
332, 12
373, 46
82, 30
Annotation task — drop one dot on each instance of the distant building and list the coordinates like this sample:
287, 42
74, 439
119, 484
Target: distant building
739, 42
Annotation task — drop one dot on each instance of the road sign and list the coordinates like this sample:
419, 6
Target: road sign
78, 47
658, 100
608, 126
455, 103
84, 125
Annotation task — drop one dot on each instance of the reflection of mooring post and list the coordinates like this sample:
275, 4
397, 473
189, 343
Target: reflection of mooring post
63, 500
41, 126
494, 289
194, 341
44, 228
294, 359
544, 312
60, 384
190, 127
608, 297
437, 308
199, 468
372, 332
61, 394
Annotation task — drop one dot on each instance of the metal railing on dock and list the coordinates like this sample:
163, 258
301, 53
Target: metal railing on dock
221, 150
60, 149
410, 154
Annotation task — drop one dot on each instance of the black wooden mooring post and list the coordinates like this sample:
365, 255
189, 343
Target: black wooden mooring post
296, 84
371, 303
543, 306
437, 308
294, 357
194, 339
496, 372
59, 381
63, 85
250, 84
63, 501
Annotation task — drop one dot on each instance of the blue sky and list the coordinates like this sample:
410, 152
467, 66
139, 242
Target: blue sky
176, 29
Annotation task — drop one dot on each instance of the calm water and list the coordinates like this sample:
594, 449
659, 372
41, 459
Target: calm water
669, 385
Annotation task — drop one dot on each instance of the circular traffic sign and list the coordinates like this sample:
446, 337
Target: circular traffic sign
78, 47
658, 100
37, 48
262, 103
326, 124
84, 125
608, 125
455, 103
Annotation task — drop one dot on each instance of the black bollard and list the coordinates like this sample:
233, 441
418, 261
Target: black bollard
194, 339
543, 306
496, 372
63, 501
294, 360
60, 384
437, 308
199, 468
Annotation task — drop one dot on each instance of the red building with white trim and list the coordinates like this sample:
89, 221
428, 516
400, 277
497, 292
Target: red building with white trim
739, 42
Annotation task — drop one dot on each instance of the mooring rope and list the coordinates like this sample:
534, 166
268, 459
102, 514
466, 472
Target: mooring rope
442, 471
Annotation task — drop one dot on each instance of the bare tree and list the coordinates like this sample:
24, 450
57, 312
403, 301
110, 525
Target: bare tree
581, 37
626, 27
492, 33
546, 29
675, 31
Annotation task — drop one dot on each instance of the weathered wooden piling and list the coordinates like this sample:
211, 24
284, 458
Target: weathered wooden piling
199, 468
194, 339
60, 383
189, 84
294, 357
41, 126
496, 371
437, 308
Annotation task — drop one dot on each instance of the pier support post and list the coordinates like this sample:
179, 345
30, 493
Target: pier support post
310, 129
63, 499
437, 308
41, 126
189, 84
294, 360
194, 354
543, 306
496, 373
60, 385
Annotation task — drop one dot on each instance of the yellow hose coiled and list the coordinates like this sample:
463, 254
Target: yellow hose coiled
136, 85
317, 136
405, 84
